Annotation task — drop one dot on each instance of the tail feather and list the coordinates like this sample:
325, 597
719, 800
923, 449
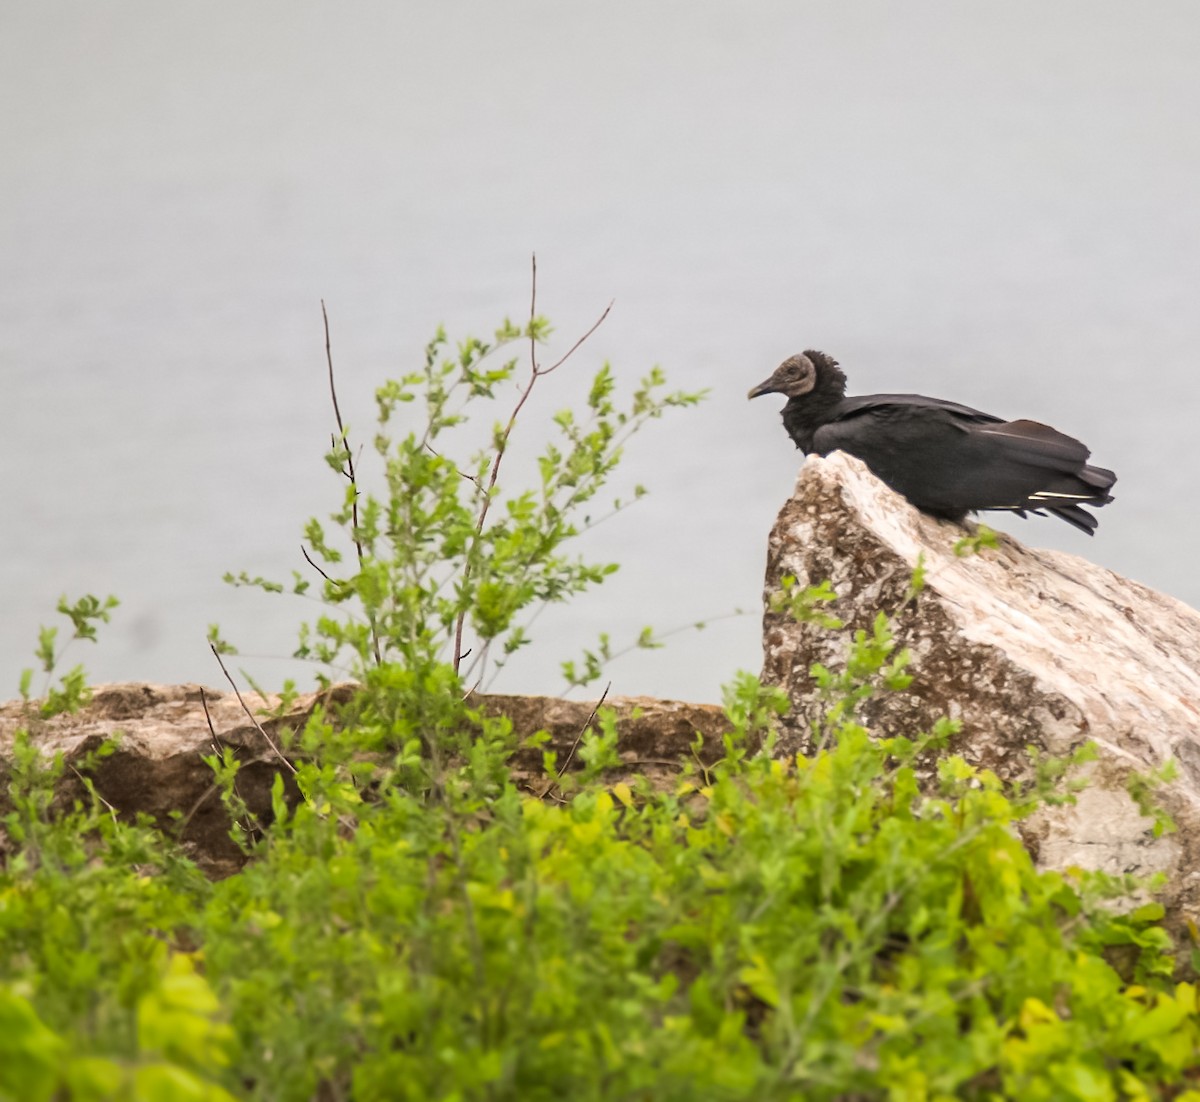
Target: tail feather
1070, 481
1100, 477
1077, 517
1072, 514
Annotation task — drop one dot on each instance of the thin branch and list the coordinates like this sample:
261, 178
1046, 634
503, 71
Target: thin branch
532, 313
545, 793
674, 762
200, 802
657, 640
308, 559
261, 730
461, 473
547, 789
583, 730
535, 373
572, 350
619, 507
215, 743
479, 662
111, 810
349, 473
337, 411
312, 660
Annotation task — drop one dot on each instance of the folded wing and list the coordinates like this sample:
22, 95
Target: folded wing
949, 459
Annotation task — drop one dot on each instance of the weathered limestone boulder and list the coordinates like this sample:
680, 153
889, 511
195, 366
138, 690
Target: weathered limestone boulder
158, 767
1025, 647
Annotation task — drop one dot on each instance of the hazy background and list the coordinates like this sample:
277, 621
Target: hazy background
993, 204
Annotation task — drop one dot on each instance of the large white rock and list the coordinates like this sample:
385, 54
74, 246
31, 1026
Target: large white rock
1025, 647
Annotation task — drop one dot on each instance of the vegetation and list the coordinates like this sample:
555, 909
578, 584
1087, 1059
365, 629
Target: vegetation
412, 925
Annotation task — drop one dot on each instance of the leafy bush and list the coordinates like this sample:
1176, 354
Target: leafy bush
445, 552
98, 1000
416, 927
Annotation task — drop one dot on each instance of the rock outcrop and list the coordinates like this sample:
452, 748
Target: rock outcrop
1024, 647
163, 735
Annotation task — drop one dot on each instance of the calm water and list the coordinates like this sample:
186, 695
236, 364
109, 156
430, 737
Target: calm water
998, 207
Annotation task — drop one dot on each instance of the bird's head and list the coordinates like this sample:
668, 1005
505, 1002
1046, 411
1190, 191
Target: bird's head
798, 375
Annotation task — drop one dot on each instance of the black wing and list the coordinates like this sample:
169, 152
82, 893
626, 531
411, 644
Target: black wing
893, 404
949, 459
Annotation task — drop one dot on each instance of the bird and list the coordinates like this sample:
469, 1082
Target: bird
947, 459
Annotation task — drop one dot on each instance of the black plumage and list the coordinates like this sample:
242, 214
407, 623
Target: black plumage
947, 459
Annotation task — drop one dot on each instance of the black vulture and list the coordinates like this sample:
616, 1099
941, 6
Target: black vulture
947, 459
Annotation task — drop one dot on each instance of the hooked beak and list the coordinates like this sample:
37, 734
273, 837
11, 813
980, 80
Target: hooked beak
767, 386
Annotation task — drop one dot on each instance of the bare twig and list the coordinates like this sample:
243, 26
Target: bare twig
479, 662
461, 473
545, 792
350, 475
215, 743
532, 313
337, 411
703, 767
583, 730
308, 559
535, 373
111, 810
270, 742
547, 789
657, 640
203, 798
212, 731
574, 348
676, 762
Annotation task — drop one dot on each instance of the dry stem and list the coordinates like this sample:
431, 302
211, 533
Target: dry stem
270, 741
535, 373
350, 475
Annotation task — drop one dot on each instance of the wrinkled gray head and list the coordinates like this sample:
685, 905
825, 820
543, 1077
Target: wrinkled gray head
797, 375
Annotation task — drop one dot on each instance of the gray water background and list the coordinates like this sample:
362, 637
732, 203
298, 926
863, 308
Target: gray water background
990, 203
